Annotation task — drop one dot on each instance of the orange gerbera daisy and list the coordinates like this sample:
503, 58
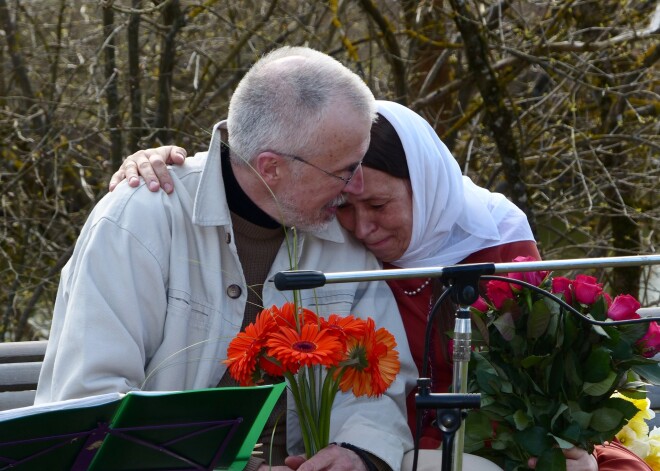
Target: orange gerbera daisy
310, 346
344, 327
385, 361
372, 362
246, 348
287, 316
270, 366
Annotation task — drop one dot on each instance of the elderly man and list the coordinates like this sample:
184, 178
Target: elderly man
159, 284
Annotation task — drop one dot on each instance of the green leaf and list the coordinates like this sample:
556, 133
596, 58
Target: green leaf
538, 320
505, 326
649, 372
478, 426
521, 419
488, 383
605, 419
572, 433
600, 388
560, 410
598, 364
599, 309
535, 440
551, 460
532, 360
633, 332
570, 328
571, 369
555, 377
582, 418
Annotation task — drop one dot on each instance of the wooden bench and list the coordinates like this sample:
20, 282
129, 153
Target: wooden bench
20, 364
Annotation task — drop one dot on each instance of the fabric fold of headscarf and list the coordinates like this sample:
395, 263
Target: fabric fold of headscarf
452, 217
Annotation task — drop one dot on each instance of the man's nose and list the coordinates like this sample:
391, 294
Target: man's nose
356, 185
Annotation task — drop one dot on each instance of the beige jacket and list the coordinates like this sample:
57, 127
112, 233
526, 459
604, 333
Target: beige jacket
144, 304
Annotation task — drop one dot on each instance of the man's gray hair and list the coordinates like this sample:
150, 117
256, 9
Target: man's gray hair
277, 106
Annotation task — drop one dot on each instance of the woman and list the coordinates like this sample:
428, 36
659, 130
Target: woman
417, 210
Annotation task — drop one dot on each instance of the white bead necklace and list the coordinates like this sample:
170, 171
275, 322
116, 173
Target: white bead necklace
415, 292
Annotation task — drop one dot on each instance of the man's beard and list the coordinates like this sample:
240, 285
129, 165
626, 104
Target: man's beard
320, 221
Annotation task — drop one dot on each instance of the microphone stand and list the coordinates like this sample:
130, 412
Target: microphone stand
462, 281
462, 348
307, 279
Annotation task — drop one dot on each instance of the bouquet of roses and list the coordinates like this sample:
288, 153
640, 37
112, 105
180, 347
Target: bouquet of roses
318, 357
546, 376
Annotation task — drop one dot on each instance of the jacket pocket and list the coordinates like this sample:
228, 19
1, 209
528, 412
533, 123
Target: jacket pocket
193, 313
332, 299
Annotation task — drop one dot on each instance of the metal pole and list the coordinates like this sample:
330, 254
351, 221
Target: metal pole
304, 279
462, 341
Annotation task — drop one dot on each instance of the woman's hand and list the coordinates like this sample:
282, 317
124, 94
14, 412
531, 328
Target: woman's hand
150, 164
576, 460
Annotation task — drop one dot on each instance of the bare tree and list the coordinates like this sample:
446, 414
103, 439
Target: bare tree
553, 103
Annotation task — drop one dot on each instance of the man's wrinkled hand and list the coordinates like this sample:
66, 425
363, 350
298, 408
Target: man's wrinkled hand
151, 164
331, 458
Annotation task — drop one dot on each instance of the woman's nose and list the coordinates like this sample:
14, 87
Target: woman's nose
363, 226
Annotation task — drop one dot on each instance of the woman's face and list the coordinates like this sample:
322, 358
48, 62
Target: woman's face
381, 216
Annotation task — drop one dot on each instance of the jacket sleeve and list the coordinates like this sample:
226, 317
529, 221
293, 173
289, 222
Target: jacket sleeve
108, 315
378, 425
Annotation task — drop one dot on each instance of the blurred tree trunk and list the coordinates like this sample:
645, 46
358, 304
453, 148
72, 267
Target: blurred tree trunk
111, 92
392, 51
134, 75
174, 20
498, 115
53, 95
28, 104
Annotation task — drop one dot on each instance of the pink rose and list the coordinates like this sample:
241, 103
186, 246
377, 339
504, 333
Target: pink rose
561, 285
623, 307
650, 343
498, 292
532, 277
587, 289
608, 299
480, 305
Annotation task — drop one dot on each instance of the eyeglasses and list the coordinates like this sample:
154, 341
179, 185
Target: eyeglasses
353, 169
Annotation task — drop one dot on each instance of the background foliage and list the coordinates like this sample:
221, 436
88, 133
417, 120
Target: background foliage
555, 103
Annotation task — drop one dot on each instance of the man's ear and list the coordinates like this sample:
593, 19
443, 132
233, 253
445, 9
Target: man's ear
269, 167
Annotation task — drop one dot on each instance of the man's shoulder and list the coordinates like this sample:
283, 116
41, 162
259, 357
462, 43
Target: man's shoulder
128, 205
191, 167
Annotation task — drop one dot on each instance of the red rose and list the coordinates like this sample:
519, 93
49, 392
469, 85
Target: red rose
650, 343
498, 292
587, 289
480, 305
561, 285
624, 307
532, 277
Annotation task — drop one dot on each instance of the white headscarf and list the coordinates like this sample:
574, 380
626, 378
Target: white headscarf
452, 217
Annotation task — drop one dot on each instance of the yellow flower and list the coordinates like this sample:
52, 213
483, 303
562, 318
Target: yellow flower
653, 458
637, 444
638, 422
636, 436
